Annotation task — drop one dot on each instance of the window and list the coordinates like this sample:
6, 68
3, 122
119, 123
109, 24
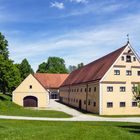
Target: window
122, 89
122, 104
134, 58
122, 58
84, 101
134, 88
30, 86
128, 72
94, 89
109, 89
128, 58
134, 104
89, 89
116, 72
85, 89
94, 103
88, 102
81, 89
77, 89
109, 104
138, 73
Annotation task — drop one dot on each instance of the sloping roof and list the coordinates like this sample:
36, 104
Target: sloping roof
93, 71
50, 80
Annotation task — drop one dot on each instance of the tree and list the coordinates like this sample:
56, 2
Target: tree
42, 68
136, 93
72, 68
80, 65
3, 47
9, 75
25, 69
53, 65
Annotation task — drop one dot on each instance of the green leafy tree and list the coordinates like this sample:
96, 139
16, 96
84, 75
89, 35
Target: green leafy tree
80, 65
53, 65
56, 65
3, 46
42, 68
25, 69
9, 75
136, 93
72, 68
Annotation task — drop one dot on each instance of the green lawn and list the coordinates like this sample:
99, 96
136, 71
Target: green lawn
45, 130
7, 107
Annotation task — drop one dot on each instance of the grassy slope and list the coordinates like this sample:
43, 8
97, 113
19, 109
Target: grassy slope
7, 107
36, 130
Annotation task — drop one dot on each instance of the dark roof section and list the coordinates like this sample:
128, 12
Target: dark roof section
50, 80
93, 71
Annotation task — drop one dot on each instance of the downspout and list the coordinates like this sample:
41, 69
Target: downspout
69, 95
86, 96
100, 99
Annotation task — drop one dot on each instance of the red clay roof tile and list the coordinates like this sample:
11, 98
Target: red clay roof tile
50, 80
93, 71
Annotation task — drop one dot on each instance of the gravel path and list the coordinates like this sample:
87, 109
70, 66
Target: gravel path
54, 105
79, 118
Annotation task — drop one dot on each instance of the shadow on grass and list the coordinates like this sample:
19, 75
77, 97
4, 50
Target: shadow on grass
2, 98
132, 128
10, 95
2, 127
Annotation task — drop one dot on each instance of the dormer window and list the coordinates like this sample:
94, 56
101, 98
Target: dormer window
128, 58
30, 86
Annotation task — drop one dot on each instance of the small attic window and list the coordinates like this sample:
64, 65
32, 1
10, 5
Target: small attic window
128, 58
122, 58
134, 58
30, 86
129, 51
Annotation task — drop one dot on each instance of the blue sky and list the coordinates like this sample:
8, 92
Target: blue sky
76, 30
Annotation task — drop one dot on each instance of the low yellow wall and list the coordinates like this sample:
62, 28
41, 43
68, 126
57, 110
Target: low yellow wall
43, 98
37, 90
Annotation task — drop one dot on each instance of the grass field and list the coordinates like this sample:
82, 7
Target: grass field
7, 107
39, 130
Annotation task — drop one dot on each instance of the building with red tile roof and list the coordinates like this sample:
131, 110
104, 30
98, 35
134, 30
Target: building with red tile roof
104, 86
36, 90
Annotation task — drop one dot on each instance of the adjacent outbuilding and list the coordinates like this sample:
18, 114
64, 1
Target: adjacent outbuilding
36, 90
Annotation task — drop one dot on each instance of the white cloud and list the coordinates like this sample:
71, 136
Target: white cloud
80, 1
58, 5
79, 46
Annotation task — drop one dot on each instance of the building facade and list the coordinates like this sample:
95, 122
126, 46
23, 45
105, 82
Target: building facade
106, 85
36, 90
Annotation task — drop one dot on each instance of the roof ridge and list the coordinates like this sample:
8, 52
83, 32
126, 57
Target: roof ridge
100, 58
96, 69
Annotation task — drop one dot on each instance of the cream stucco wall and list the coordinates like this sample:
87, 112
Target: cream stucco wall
101, 96
72, 95
37, 90
116, 81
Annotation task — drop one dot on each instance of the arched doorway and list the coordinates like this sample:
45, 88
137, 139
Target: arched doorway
30, 101
80, 104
